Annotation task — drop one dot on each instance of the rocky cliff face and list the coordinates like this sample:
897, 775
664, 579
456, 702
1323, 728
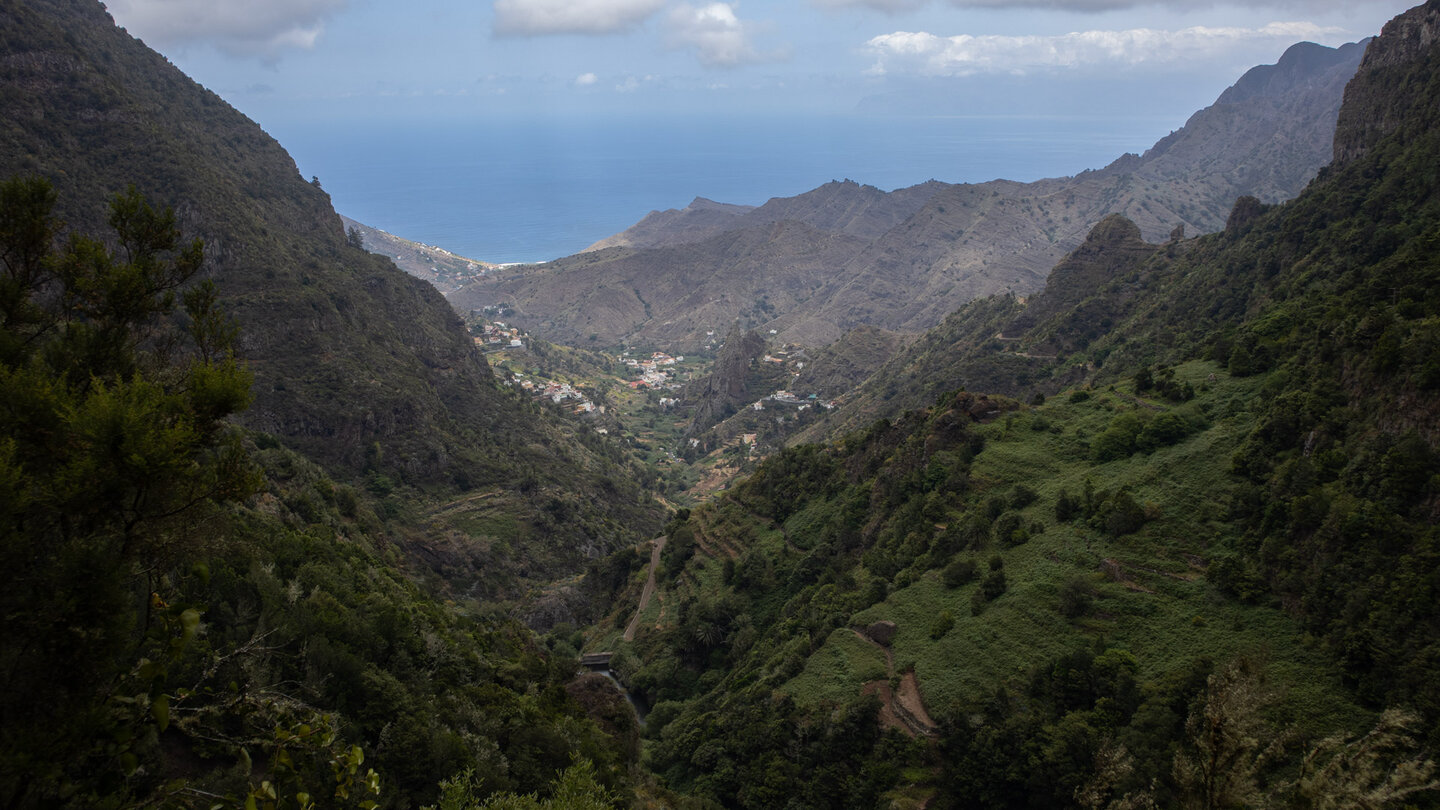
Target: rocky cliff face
721, 392
1376, 103
347, 351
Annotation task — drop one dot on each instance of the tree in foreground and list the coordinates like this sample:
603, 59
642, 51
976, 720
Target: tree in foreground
117, 373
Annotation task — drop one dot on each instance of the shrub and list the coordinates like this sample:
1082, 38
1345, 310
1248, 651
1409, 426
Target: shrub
1067, 508
1009, 530
1076, 597
1119, 515
1022, 496
994, 585
1162, 431
942, 625
959, 572
1118, 440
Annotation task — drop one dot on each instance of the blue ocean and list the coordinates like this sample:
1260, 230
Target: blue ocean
526, 191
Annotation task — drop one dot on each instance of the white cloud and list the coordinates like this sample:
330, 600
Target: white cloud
887, 6
632, 83
964, 55
895, 6
264, 28
716, 34
540, 17
586, 79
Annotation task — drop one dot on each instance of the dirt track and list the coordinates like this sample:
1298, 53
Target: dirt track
649, 589
901, 709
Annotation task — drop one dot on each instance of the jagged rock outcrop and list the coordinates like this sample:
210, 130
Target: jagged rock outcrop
1247, 209
882, 632
1112, 252
723, 391
1376, 102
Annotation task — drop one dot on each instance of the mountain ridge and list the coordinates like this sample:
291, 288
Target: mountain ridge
928, 249
357, 365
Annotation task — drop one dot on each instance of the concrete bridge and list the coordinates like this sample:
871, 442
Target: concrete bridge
596, 661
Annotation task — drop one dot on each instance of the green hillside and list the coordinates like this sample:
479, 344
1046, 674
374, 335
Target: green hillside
355, 364
195, 616
260, 496
1211, 498
1161, 536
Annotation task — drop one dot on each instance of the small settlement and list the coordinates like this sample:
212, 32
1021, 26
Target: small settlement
497, 336
656, 371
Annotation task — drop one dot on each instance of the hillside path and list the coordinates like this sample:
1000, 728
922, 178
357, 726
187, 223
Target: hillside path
648, 590
902, 709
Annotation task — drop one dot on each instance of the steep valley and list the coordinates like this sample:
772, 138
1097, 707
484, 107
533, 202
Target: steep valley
1088, 511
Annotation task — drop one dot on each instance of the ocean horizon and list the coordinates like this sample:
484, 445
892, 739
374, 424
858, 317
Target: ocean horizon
539, 189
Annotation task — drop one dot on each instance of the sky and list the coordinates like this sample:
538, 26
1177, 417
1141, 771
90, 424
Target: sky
288, 62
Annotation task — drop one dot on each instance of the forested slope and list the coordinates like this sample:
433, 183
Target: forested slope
193, 615
355, 364
1199, 528
231, 444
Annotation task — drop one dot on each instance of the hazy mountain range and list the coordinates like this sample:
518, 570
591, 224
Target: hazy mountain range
1161, 533
845, 255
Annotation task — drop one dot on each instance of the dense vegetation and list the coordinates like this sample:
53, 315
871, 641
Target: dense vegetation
194, 615
356, 365
1214, 523
1182, 553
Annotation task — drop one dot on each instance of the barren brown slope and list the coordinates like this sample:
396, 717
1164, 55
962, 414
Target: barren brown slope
696, 222
1266, 137
840, 206
904, 260
670, 296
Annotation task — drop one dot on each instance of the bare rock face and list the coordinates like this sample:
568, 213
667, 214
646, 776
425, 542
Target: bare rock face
722, 392
566, 604
1247, 209
1113, 250
1385, 94
882, 632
